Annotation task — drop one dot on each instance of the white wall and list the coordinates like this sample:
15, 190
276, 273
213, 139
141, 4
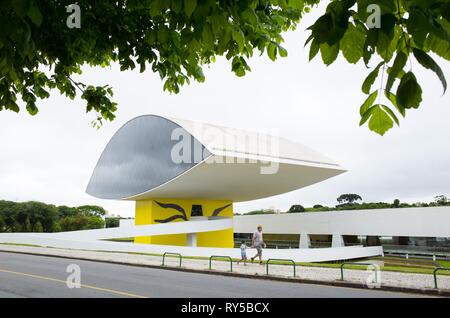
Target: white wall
126, 222
426, 222
298, 255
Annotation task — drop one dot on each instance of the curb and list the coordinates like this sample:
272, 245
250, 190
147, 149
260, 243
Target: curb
336, 283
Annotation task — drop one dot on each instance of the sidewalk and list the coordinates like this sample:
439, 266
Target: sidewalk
304, 273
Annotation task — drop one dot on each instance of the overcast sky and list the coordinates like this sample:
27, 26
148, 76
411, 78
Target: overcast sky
50, 157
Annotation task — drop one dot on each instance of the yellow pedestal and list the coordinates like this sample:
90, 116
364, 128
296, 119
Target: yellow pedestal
179, 210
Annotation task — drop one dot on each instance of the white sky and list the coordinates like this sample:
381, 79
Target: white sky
50, 157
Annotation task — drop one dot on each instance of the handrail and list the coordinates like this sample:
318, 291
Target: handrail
221, 256
173, 254
279, 260
435, 274
353, 263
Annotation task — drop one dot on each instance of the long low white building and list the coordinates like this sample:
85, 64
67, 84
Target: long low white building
417, 222
417, 230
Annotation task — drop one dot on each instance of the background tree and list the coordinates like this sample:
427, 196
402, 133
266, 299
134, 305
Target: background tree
296, 208
41, 217
265, 211
112, 222
441, 200
81, 222
348, 198
396, 203
176, 38
92, 210
66, 211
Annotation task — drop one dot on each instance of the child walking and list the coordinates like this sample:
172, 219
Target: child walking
243, 253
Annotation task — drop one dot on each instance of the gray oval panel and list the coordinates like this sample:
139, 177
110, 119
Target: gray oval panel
138, 158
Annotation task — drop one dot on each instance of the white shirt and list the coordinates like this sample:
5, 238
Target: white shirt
257, 238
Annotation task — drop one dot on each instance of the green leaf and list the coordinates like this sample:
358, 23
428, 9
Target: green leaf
21, 7
438, 46
397, 67
239, 66
32, 109
409, 92
352, 43
366, 116
426, 61
368, 102
238, 36
418, 25
393, 99
391, 113
249, 16
313, 49
282, 51
157, 7
177, 5
189, 7
35, 14
12, 105
380, 122
208, 36
272, 51
321, 28
370, 45
370, 79
329, 53
387, 43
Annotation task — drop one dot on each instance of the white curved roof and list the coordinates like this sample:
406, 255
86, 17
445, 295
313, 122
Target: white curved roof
234, 165
235, 141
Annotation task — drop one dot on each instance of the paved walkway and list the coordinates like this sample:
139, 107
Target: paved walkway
418, 281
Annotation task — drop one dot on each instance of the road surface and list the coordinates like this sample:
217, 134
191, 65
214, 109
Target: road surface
40, 276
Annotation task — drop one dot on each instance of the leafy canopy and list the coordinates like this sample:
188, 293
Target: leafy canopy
348, 198
407, 28
175, 38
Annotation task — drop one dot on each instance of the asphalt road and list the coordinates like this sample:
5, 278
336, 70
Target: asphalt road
39, 276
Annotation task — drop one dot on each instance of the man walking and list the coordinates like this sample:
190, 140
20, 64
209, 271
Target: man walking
258, 242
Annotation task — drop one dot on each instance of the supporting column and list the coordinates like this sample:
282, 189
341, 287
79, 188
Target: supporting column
305, 241
164, 210
337, 241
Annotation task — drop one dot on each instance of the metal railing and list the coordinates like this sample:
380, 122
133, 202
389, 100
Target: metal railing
353, 263
172, 254
220, 257
435, 275
278, 260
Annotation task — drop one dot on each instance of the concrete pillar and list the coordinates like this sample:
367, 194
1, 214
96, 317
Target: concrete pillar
337, 241
305, 241
192, 239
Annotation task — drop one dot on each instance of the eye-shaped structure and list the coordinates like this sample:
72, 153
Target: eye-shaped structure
139, 158
157, 157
